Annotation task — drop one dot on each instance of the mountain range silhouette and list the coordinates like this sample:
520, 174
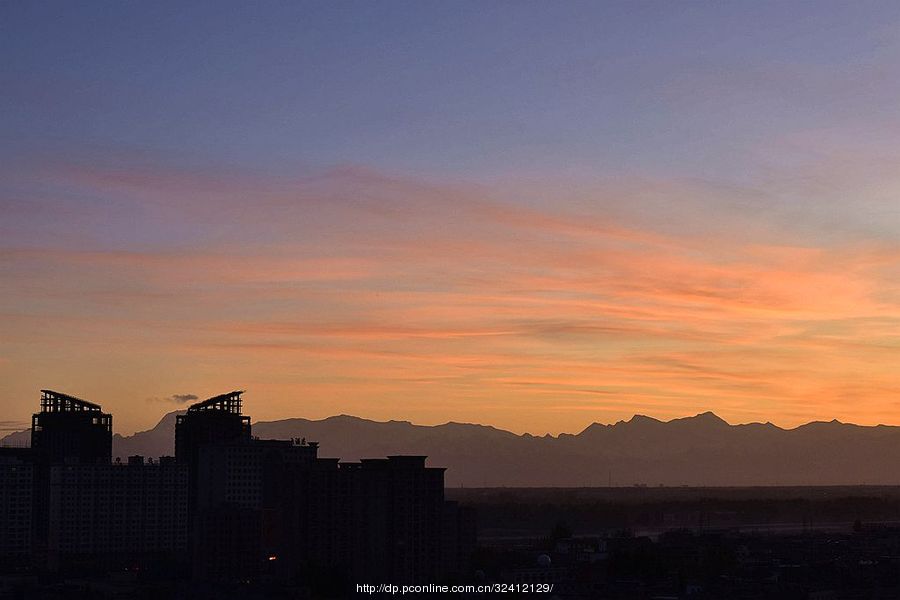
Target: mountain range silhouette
702, 450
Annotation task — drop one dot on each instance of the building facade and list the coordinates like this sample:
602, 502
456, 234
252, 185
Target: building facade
16, 508
118, 516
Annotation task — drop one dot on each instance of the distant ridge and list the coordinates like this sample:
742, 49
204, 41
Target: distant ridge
702, 450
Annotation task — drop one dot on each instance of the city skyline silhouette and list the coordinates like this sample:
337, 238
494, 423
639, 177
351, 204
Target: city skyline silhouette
701, 450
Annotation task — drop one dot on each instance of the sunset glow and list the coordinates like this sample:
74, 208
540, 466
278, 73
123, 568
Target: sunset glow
585, 270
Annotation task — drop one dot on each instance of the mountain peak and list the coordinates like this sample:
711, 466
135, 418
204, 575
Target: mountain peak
709, 417
704, 420
642, 419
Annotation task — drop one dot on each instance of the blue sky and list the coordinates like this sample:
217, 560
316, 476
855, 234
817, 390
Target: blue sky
462, 89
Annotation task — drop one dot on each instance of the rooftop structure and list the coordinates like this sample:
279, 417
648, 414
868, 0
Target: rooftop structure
230, 402
215, 420
70, 428
54, 402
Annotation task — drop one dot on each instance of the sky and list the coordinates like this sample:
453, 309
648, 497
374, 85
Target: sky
533, 215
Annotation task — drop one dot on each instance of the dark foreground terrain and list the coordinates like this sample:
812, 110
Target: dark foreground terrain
698, 543
619, 543
512, 512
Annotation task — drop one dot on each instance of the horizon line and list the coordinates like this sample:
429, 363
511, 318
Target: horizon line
709, 416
